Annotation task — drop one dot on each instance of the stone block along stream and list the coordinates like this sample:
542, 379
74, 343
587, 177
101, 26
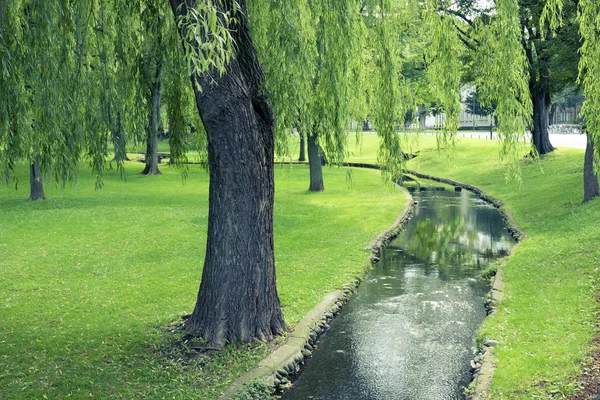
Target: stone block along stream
409, 333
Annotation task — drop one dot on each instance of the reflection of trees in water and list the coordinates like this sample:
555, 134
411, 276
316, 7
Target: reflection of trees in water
452, 239
437, 245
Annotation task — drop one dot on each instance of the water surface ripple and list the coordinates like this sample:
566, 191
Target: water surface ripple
408, 334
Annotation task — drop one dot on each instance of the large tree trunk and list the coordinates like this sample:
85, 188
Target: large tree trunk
315, 165
152, 139
541, 139
35, 181
590, 177
238, 296
119, 141
302, 156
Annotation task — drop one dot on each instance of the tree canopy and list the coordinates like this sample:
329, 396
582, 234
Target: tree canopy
76, 75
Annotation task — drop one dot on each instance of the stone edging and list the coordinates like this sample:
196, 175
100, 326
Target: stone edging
287, 359
484, 363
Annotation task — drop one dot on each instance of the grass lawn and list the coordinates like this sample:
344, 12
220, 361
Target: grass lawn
91, 280
549, 316
364, 148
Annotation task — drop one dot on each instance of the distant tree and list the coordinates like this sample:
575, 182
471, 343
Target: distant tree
569, 97
152, 60
310, 51
475, 107
40, 120
590, 174
551, 58
589, 78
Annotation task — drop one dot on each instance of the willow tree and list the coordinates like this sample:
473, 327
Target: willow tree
39, 121
152, 59
238, 297
58, 88
285, 39
311, 52
589, 77
588, 12
551, 57
332, 62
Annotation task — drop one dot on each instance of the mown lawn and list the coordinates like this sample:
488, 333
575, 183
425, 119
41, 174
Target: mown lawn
549, 316
91, 282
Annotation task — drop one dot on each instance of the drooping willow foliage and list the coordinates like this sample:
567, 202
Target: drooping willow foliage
445, 68
312, 54
588, 17
73, 76
502, 77
332, 62
72, 72
589, 67
289, 60
387, 90
38, 119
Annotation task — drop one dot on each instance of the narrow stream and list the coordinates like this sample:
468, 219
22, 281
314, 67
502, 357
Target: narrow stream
409, 332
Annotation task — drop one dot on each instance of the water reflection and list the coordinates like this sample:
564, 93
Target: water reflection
409, 331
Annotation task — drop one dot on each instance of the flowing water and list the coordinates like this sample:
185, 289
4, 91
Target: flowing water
408, 334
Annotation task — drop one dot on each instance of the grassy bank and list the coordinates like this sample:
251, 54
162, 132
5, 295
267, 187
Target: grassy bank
549, 316
90, 280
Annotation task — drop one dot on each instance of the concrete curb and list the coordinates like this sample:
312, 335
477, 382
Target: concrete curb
288, 359
484, 372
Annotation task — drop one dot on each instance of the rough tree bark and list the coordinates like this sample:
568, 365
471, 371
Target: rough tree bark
36, 183
590, 177
541, 138
302, 156
152, 139
238, 296
315, 165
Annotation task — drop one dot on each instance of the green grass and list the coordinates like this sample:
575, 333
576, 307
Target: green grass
549, 316
92, 281
364, 148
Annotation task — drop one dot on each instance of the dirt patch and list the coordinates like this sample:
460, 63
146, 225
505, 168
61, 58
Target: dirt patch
590, 377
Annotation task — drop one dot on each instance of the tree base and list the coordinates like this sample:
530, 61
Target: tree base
316, 187
150, 171
37, 197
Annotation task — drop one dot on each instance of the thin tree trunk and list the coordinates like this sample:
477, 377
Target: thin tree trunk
315, 165
36, 182
119, 141
238, 297
541, 139
152, 140
552, 116
302, 156
422, 119
590, 177
324, 160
